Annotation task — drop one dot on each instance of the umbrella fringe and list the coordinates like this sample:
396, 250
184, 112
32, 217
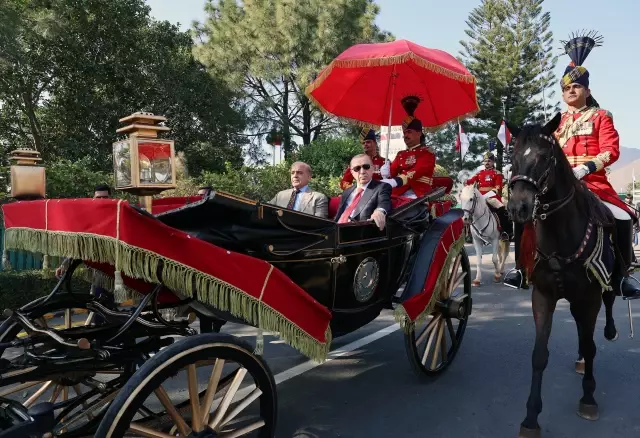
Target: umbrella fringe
373, 126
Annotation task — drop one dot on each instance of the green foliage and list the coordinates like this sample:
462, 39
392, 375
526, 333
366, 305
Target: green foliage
329, 157
70, 70
19, 288
273, 50
74, 179
509, 51
443, 143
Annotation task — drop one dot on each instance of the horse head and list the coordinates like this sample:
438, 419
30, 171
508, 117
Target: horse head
535, 156
469, 198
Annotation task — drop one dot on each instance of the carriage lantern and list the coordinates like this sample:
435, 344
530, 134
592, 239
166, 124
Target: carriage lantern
144, 164
27, 176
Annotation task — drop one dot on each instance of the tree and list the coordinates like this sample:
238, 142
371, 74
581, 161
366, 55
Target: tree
271, 50
70, 70
443, 143
509, 53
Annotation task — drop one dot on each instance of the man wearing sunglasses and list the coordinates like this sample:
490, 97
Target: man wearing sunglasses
370, 146
411, 172
368, 199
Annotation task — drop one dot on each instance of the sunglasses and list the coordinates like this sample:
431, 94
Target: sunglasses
364, 166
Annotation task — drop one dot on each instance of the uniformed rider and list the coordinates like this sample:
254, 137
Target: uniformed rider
370, 147
590, 141
411, 172
490, 184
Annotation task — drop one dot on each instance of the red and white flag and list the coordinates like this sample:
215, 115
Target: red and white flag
462, 142
504, 135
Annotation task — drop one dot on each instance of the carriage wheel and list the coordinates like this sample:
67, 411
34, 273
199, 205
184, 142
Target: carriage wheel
433, 344
197, 387
82, 405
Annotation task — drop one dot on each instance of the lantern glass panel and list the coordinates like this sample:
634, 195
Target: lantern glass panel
122, 163
154, 160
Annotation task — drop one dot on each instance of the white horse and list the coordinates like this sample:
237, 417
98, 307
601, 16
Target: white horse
484, 229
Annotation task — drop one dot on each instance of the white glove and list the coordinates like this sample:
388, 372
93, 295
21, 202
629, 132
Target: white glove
580, 171
385, 170
392, 182
489, 194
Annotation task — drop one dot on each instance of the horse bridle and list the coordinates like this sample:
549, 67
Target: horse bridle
542, 186
470, 213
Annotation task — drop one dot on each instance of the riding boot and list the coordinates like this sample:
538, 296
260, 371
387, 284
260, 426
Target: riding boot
516, 278
623, 283
505, 224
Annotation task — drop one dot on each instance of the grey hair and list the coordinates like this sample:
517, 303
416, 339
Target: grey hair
361, 156
303, 164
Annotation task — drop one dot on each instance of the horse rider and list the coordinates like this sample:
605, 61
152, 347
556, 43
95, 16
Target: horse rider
490, 184
590, 141
370, 146
411, 172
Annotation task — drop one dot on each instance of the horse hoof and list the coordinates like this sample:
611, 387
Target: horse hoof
529, 433
580, 366
475, 283
497, 278
588, 412
609, 336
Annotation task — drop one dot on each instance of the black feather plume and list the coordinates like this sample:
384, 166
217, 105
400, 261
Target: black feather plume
580, 45
410, 103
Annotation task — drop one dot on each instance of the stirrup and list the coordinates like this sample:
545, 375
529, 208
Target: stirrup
628, 298
519, 284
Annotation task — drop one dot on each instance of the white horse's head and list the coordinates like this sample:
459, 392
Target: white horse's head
469, 199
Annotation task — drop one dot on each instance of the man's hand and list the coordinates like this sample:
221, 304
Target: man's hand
580, 171
392, 182
379, 218
59, 272
385, 170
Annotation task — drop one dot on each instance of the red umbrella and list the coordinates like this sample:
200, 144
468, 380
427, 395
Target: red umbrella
360, 83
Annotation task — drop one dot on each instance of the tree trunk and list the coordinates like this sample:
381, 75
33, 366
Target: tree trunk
306, 122
286, 130
34, 125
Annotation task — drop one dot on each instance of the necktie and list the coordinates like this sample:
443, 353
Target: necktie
292, 200
345, 216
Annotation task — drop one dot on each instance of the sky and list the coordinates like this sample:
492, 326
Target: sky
428, 23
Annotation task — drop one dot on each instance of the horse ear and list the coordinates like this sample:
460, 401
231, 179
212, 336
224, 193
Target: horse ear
513, 129
552, 125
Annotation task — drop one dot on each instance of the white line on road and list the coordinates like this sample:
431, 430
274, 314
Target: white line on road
309, 365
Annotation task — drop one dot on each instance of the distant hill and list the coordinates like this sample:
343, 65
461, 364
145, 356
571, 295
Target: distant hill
627, 155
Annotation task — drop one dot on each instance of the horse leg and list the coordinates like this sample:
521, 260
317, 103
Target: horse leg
504, 253
610, 331
586, 315
543, 308
580, 361
495, 258
477, 244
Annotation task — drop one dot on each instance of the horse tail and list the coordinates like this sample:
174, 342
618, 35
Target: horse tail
526, 258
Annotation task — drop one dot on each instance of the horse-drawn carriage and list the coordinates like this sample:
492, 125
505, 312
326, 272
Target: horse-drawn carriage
108, 371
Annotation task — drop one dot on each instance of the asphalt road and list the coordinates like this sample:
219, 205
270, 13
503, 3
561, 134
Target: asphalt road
371, 391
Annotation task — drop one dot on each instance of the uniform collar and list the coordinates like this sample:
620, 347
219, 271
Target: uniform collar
578, 111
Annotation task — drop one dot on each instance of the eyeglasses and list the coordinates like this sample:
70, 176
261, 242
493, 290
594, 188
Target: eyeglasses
364, 166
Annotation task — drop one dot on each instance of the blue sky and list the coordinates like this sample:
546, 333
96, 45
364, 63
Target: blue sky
428, 23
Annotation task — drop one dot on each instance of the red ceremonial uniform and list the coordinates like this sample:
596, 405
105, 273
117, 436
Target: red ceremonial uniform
413, 169
589, 137
488, 180
347, 178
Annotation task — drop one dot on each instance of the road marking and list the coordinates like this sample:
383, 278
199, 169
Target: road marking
309, 365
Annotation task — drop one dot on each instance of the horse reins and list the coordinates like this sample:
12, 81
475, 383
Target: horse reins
470, 213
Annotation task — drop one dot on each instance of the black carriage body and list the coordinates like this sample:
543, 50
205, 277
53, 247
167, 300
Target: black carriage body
332, 262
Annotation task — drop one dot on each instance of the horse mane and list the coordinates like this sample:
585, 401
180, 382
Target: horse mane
587, 202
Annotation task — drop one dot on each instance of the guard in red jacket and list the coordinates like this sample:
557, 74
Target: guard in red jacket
590, 141
370, 146
490, 180
411, 172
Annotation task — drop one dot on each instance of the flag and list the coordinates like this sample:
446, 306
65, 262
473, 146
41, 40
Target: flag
492, 145
504, 135
462, 142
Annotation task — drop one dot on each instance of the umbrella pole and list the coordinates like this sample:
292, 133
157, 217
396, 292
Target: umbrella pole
393, 89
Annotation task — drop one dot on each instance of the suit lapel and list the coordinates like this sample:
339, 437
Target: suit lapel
366, 196
305, 197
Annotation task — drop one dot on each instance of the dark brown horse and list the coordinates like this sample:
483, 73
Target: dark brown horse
567, 252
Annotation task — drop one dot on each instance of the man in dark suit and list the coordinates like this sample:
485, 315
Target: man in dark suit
368, 199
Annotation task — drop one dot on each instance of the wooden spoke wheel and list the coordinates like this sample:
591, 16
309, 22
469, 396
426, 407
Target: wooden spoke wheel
432, 344
79, 398
207, 385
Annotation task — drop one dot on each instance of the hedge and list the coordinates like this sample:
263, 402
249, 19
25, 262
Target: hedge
18, 288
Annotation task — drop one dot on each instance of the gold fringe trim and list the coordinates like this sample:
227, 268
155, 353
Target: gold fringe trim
368, 125
183, 280
400, 313
589, 262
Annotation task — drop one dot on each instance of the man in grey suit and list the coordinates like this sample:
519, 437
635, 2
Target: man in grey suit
301, 198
